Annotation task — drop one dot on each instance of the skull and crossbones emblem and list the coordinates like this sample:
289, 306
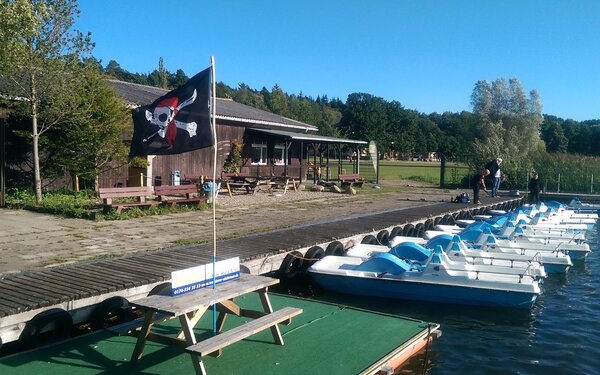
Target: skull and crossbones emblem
164, 115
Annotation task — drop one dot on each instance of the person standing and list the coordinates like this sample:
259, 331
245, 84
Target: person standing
494, 168
478, 183
535, 187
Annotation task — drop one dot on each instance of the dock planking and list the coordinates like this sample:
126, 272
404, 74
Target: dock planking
31, 290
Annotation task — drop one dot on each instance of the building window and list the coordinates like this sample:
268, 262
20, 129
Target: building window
259, 153
279, 154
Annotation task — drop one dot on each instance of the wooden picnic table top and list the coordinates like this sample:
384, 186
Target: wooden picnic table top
192, 301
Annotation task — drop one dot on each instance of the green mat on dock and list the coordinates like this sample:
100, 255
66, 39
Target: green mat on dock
325, 338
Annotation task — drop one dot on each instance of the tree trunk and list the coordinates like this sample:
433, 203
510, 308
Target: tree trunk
36, 137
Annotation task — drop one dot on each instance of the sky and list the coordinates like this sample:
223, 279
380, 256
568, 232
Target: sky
425, 54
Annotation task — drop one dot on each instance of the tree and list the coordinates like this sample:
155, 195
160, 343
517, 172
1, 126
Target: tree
39, 52
163, 74
90, 140
402, 129
365, 117
553, 135
178, 79
509, 123
460, 131
277, 102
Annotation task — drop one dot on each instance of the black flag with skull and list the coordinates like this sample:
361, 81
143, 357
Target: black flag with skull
176, 122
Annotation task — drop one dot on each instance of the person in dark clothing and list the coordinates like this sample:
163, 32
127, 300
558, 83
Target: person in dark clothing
478, 183
496, 174
535, 186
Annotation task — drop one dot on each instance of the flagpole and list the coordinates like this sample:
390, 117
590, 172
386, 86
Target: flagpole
213, 107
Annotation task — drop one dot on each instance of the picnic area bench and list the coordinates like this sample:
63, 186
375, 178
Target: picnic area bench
351, 179
173, 195
139, 193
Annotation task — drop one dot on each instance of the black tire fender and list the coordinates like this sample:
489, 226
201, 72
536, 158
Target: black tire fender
408, 230
163, 289
448, 220
111, 311
419, 230
312, 256
291, 265
334, 248
428, 225
370, 240
396, 231
383, 237
31, 336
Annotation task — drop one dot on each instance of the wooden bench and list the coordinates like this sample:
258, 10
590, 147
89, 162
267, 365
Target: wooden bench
184, 192
214, 345
138, 192
351, 179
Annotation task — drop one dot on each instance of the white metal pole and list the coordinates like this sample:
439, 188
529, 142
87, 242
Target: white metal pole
214, 133
213, 110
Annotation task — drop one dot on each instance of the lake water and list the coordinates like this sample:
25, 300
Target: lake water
559, 335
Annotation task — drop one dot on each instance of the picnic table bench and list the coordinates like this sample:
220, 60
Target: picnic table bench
190, 307
168, 194
214, 345
139, 193
351, 179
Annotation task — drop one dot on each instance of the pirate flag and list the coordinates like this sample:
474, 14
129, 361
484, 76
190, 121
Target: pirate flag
176, 122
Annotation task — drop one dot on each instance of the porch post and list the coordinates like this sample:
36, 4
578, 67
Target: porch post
356, 165
301, 162
327, 158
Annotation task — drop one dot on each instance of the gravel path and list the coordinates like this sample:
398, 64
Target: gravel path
31, 241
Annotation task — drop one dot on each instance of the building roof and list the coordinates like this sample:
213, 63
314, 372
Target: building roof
308, 137
227, 110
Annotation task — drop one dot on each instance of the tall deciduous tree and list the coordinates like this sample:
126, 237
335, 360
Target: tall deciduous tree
90, 140
365, 117
38, 51
509, 123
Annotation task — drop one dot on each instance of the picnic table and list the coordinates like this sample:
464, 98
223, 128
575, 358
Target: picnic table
244, 182
190, 307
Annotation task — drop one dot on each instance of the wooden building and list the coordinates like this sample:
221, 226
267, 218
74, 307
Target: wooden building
273, 145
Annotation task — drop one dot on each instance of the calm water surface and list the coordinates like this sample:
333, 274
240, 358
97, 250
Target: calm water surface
558, 336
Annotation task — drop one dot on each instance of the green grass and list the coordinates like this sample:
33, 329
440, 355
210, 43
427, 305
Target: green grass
428, 172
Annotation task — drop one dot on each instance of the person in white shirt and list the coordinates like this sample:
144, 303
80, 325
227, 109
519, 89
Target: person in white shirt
496, 174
